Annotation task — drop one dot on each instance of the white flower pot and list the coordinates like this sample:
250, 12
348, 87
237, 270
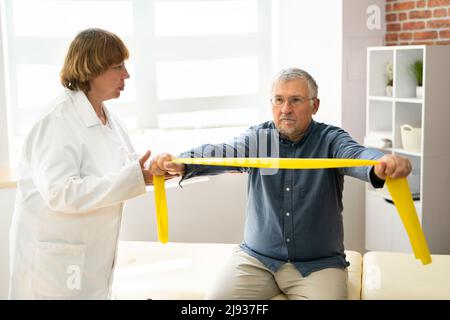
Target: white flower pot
389, 90
419, 92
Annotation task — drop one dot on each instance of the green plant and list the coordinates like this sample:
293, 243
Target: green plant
389, 73
417, 69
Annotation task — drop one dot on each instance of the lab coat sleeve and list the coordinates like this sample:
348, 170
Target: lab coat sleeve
55, 160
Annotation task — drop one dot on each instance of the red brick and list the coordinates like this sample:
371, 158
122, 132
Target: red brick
448, 11
443, 43
391, 17
420, 4
390, 27
436, 24
391, 37
425, 35
388, 7
405, 36
444, 34
438, 3
408, 5
391, 44
427, 43
414, 25
440, 13
402, 16
424, 14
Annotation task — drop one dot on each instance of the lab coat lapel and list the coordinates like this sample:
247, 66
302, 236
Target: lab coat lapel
85, 109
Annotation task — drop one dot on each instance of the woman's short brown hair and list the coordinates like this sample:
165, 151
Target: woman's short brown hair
92, 52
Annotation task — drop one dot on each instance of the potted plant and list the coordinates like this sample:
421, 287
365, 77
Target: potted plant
417, 71
389, 78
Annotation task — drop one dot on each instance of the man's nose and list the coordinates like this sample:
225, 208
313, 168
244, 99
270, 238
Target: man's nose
286, 107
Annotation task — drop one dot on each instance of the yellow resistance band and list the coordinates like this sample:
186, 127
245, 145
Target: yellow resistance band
162, 218
398, 188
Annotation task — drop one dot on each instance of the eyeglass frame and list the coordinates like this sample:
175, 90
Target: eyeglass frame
289, 100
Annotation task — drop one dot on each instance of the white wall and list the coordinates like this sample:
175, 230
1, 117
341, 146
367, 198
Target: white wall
4, 155
307, 35
206, 211
356, 37
7, 206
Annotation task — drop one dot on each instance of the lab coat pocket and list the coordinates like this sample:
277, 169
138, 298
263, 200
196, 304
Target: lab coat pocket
58, 270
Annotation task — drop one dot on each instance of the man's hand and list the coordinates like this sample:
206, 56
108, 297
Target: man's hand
162, 165
148, 177
392, 166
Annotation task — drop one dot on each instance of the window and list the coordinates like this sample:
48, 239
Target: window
193, 64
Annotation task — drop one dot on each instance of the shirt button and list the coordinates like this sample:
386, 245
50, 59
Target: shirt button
288, 214
288, 189
288, 240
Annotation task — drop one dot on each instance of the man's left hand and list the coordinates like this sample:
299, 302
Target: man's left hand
393, 166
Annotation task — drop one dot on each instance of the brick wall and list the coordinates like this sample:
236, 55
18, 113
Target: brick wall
417, 22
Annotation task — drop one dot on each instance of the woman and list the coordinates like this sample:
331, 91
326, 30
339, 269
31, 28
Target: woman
77, 169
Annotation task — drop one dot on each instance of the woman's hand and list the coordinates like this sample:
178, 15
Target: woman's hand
146, 173
162, 165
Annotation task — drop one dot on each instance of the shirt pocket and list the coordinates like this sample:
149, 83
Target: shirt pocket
58, 270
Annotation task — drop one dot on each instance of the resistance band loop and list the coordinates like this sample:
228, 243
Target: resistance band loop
398, 188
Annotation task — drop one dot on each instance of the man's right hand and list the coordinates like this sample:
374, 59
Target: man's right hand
162, 164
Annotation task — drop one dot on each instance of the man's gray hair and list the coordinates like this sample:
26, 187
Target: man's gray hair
295, 73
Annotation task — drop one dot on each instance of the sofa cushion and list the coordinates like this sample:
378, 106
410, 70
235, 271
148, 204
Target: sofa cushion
151, 270
388, 275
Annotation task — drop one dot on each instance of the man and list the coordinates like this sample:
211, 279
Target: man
293, 240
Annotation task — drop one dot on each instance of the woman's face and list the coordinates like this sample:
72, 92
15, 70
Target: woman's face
109, 84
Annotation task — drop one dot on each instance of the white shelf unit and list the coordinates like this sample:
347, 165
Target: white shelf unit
430, 178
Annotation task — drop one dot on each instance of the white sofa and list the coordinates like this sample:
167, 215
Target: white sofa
151, 270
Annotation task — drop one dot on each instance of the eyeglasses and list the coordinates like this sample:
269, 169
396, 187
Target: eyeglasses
293, 101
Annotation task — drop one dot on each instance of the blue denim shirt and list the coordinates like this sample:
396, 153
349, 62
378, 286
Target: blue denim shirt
294, 215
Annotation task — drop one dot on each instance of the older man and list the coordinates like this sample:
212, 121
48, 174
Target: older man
293, 240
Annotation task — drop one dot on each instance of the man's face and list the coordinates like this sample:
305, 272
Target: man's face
292, 111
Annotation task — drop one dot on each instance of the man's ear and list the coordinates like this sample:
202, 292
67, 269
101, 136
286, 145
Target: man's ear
315, 106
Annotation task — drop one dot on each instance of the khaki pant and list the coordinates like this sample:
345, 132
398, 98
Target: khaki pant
245, 277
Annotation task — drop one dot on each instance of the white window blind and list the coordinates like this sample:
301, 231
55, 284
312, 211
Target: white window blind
193, 64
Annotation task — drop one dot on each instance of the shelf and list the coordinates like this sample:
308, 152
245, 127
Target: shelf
409, 100
385, 150
381, 98
391, 99
384, 193
407, 152
425, 143
379, 115
377, 76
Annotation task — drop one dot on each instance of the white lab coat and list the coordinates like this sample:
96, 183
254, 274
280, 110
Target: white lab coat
75, 175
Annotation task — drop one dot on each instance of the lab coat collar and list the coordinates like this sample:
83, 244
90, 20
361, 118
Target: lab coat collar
84, 108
